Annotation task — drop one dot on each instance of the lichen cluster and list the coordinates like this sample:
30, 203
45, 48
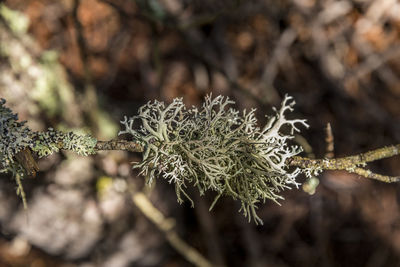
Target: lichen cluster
45, 143
217, 148
15, 136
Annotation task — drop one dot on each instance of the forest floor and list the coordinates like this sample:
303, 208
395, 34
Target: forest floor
84, 64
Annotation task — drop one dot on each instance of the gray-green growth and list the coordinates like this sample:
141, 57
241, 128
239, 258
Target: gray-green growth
15, 137
217, 148
45, 143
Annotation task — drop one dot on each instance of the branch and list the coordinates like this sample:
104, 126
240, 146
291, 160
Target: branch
114, 144
351, 163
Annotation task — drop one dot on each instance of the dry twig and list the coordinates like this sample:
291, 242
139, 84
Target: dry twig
167, 226
351, 163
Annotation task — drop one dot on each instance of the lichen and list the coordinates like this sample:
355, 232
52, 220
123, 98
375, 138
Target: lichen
45, 143
217, 148
16, 137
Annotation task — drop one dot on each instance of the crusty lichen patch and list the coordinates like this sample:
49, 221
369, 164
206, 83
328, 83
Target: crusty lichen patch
16, 137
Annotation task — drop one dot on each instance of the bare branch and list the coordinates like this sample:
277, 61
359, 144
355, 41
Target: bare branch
124, 145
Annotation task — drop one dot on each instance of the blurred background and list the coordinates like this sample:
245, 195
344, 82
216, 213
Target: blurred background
82, 65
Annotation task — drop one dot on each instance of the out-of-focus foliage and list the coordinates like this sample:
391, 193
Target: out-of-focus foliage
17, 21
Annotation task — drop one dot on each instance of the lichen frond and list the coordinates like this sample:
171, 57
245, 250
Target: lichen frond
217, 148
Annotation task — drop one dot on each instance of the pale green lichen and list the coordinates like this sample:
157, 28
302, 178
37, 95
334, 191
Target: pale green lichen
217, 148
15, 137
45, 143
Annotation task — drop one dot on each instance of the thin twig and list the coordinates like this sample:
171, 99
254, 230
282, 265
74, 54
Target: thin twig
119, 145
375, 176
167, 225
20, 190
330, 147
346, 162
351, 163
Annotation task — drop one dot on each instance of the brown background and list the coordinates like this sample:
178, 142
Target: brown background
340, 60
